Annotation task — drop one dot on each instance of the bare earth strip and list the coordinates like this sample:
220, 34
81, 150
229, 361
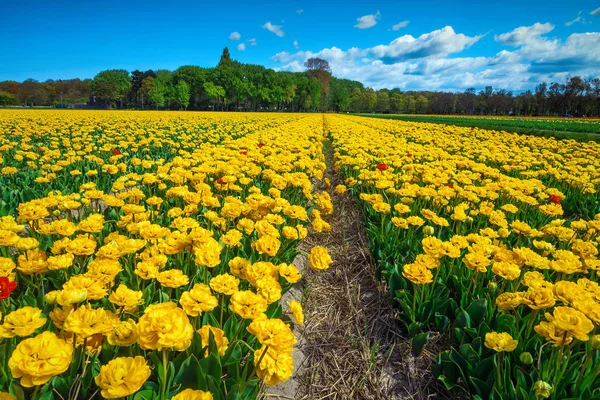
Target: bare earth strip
352, 346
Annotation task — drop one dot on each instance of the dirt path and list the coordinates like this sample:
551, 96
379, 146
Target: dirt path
352, 344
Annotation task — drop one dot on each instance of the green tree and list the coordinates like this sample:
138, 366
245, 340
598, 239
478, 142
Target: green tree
422, 104
369, 100
181, 94
214, 93
106, 92
146, 87
383, 102
160, 93
111, 85
397, 103
7, 99
195, 77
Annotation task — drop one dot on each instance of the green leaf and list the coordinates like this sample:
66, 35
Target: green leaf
441, 322
463, 320
46, 396
17, 391
469, 354
418, 342
482, 388
187, 376
477, 311
212, 367
146, 394
234, 393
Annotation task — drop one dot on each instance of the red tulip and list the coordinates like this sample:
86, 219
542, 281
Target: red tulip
243, 152
382, 167
260, 145
6, 287
220, 181
451, 186
555, 199
409, 154
116, 152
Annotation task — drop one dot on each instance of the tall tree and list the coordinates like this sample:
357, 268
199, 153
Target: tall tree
181, 94
319, 69
114, 84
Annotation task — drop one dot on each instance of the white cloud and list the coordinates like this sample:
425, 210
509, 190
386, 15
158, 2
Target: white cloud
251, 42
400, 25
524, 34
276, 29
241, 46
596, 12
300, 11
430, 61
368, 21
579, 19
440, 42
296, 45
235, 36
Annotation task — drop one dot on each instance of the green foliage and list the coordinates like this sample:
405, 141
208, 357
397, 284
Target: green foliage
7, 99
181, 94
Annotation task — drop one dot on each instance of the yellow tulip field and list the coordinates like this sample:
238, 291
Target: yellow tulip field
144, 255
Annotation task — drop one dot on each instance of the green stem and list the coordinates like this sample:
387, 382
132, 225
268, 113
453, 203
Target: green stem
222, 306
582, 371
499, 377
238, 330
264, 353
165, 362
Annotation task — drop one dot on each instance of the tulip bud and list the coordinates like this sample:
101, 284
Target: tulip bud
428, 230
50, 297
56, 213
526, 358
595, 342
492, 286
543, 389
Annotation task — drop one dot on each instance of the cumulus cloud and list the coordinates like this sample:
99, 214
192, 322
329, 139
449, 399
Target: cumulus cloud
235, 36
596, 12
400, 25
524, 34
251, 42
368, 21
276, 29
440, 42
241, 46
296, 45
432, 61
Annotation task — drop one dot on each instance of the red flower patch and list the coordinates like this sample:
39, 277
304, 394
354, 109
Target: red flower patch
116, 152
382, 167
6, 287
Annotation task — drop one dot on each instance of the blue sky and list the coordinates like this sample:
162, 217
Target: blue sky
438, 45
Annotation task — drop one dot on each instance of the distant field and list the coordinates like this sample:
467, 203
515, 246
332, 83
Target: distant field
561, 128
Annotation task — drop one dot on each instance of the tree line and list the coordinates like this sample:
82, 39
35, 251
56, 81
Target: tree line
232, 85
